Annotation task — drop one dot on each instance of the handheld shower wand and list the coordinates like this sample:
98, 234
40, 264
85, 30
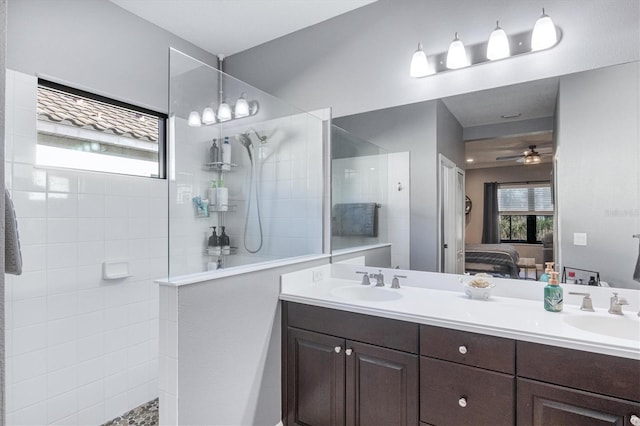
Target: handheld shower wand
245, 140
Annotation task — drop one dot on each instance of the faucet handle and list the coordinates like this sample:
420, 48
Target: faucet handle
587, 303
365, 278
395, 283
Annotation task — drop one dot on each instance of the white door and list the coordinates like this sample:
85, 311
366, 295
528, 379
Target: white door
450, 217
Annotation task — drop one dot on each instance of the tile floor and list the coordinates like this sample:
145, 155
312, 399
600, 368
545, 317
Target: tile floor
144, 415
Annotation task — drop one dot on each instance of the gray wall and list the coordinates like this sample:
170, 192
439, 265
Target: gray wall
598, 171
96, 45
379, 257
475, 179
3, 64
449, 135
359, 61
410, 128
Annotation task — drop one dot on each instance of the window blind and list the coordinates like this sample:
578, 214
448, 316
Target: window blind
525, 199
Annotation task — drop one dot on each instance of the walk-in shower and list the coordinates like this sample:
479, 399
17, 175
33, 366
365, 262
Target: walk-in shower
272, 179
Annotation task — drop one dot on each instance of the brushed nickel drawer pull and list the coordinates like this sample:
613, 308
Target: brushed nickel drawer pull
462, 349
348, 352
634, 420
337, 349
462, 402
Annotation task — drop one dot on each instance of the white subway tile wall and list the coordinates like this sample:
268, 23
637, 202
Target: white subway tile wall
80, 350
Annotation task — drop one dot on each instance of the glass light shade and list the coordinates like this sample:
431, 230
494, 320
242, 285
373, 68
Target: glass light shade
498, 46
208, 116
419, 63
457, 55
224, 112
242, 107
544, 33
532, 159
194, 119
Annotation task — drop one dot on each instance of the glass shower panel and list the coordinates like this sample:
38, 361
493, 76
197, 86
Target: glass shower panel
266, 194
359, 191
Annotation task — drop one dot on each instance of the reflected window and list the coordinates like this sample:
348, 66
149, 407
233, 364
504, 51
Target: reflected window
526, 212
81, 130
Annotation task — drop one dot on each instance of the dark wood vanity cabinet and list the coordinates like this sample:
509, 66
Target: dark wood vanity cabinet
332, 379
559, 386
342, 368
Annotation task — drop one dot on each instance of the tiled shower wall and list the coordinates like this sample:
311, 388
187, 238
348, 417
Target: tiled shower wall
80, 350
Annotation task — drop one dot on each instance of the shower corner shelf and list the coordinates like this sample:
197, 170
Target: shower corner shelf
218, 166
232, 251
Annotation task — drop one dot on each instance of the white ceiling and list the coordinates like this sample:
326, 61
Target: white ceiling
231, 26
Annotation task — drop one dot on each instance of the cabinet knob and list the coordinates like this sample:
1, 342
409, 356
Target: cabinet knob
348, 351
337, 349
634, 420
462, 349
462, 402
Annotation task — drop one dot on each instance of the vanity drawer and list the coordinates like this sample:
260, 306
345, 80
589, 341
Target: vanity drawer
604, 374
454, 394
389, 333
478, 350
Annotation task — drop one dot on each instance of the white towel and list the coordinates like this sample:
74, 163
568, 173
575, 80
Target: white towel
12, 255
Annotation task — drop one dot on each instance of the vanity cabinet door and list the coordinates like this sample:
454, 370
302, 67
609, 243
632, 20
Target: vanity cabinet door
315, 378
546, 404
381, 386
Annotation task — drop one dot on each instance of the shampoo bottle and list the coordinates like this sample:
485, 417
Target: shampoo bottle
225, 242
553, 294
213, 196
214, 155
214, 243
226, 154
222, 197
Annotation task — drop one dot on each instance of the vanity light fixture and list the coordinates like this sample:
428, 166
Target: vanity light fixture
544, 35
457, 54
194, 119
419, 63
243, 107
498, 45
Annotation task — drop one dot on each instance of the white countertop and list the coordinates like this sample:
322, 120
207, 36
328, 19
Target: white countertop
515, 309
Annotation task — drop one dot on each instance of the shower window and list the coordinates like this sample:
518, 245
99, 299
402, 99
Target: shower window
81, 130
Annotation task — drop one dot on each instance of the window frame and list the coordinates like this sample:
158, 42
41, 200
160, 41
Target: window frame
531, 217
162, 123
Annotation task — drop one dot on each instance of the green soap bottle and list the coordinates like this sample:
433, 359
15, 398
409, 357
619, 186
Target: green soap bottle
553, 294
545, 276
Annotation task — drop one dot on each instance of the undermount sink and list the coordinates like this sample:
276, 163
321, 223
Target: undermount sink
366, 293
621, 327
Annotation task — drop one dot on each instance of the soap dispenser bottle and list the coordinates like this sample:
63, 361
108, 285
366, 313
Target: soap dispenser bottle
214, 243
226, 154
547, 270
553, 294
225, 242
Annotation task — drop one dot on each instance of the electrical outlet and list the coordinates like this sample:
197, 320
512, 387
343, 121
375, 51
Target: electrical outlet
317, 276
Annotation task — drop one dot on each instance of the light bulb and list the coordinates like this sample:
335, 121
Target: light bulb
498, 46
194, 119
242, 107
419, 63
544, 33
208, 116
457, 55
224, 111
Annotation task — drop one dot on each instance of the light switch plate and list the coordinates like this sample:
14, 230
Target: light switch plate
579, 239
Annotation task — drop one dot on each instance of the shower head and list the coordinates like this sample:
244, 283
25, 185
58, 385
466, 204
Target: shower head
245, 140
262, 139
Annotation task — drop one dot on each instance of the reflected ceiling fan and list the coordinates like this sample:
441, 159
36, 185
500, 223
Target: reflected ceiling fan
528, 157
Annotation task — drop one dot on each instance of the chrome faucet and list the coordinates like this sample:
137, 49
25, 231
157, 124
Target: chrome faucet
365, 278
395, 283
379, 278
616, 304
587, 303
